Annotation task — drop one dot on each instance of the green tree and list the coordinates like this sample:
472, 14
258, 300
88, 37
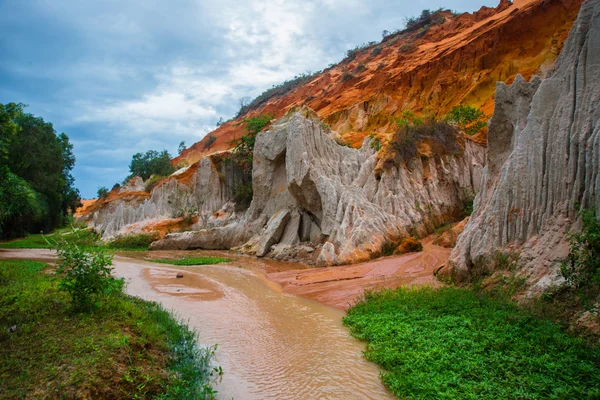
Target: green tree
468, 119
8, 127
102, 192
37, 155
20, 205
151, 163
181, 147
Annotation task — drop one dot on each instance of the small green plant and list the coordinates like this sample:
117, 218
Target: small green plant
151, 183
581, 268
468, 119
209, 142
242, 195
86, 276
469, 199
346, 76
360, 68
375, 143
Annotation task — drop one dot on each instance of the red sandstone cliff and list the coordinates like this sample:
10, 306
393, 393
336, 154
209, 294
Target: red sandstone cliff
426, 71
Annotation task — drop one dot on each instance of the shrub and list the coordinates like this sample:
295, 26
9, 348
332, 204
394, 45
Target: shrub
209, 142
409, 245
375, 51
469, 198
360, 68
102, 192
468, 119
116, 186
375, 143
346, 76
86, 276
151, 183
139, 241
242, 195
407, 48
441, 137
581, 268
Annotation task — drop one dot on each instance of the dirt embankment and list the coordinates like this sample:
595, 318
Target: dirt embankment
342, 286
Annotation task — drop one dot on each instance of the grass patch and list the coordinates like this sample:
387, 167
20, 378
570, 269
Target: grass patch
454, 343
191, 260
81, 237
129, 348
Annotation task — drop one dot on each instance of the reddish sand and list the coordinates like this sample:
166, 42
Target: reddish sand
341, 286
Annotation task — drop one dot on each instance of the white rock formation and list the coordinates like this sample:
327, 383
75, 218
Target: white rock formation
544, 157
311, 192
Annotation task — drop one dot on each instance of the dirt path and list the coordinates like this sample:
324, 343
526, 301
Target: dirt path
341, 286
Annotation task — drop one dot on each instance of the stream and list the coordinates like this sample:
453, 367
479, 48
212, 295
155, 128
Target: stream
271, 345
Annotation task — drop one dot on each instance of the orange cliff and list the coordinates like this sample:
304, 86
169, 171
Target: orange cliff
427, 71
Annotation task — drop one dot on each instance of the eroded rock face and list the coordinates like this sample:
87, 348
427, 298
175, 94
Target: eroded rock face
336, 200
314, 200
544, 157
207, 192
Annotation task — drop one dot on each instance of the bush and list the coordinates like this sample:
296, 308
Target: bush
242, 195
469, 199
441, 137
209, 142
407, 48
375, 143
376, 51
409, 245
468, 119
102, 192
360, 68
139, 241
346, 76
581, 268
151, 183
86, 276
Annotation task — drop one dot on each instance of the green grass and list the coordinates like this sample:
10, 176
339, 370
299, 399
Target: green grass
128, 349
191, 261
457, 344
83, 237
86, 238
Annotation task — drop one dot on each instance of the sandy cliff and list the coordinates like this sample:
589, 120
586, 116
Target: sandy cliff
427, 71
544, 158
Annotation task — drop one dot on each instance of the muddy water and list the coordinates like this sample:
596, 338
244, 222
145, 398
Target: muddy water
272, 345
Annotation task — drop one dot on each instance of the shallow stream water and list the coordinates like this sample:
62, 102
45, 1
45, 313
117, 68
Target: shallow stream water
271, 345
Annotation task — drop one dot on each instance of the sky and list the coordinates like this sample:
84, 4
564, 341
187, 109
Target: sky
127, 76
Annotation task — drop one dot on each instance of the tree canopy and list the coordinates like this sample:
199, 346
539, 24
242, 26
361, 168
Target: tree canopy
151, 163
35, 168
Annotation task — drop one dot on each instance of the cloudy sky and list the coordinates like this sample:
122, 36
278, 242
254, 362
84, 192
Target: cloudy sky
126, 76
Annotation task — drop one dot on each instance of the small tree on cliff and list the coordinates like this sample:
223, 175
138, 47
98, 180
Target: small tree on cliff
468, 119
151, 163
